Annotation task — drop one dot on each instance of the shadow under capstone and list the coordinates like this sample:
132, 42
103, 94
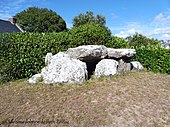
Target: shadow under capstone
91, 65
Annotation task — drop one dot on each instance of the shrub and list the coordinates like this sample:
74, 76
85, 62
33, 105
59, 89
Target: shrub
117, 42
22, 54
154, 59
138, 40
90, 34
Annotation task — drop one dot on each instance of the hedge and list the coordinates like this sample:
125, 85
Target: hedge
155, 59
22, 54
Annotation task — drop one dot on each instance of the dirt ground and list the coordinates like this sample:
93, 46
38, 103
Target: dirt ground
136, 99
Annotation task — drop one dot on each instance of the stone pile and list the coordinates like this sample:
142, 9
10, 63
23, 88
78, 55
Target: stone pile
79, 64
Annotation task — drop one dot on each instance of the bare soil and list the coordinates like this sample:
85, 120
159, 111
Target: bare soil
136, 99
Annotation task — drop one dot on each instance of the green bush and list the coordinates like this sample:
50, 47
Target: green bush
22, 54
90, 34
154, 59
117, 42
138, 40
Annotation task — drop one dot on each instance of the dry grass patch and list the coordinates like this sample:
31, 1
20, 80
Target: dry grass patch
135, 99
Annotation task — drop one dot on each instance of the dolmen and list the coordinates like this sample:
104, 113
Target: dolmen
77, 65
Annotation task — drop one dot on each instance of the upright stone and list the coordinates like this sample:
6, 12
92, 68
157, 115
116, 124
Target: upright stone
106, 67
123, 66
137, 66
63, 69
48, 58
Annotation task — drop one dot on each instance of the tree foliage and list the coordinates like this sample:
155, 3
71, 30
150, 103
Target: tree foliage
90, 34
117, 42
87, 18
40, 20
138, 40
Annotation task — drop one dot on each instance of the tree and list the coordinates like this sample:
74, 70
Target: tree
87, 18
40, 20
90, 34
117, 42
138, 40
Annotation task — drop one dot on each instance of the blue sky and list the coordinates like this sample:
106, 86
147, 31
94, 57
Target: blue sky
123, 17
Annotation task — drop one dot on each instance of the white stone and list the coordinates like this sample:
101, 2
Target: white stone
123, 66
61, 55
137, 65
63, 69
48, 58
106, 67
35, 79
70, 66
88, 52
119, 53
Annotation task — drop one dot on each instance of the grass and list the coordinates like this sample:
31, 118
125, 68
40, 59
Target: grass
137, 99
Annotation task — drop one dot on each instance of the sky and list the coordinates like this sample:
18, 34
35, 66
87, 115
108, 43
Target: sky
123, 17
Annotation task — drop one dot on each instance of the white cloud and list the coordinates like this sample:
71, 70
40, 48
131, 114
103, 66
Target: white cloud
162, 18
166, 36
130, 29
126, 33
161, 26
165, 30
9, 8
158, 28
